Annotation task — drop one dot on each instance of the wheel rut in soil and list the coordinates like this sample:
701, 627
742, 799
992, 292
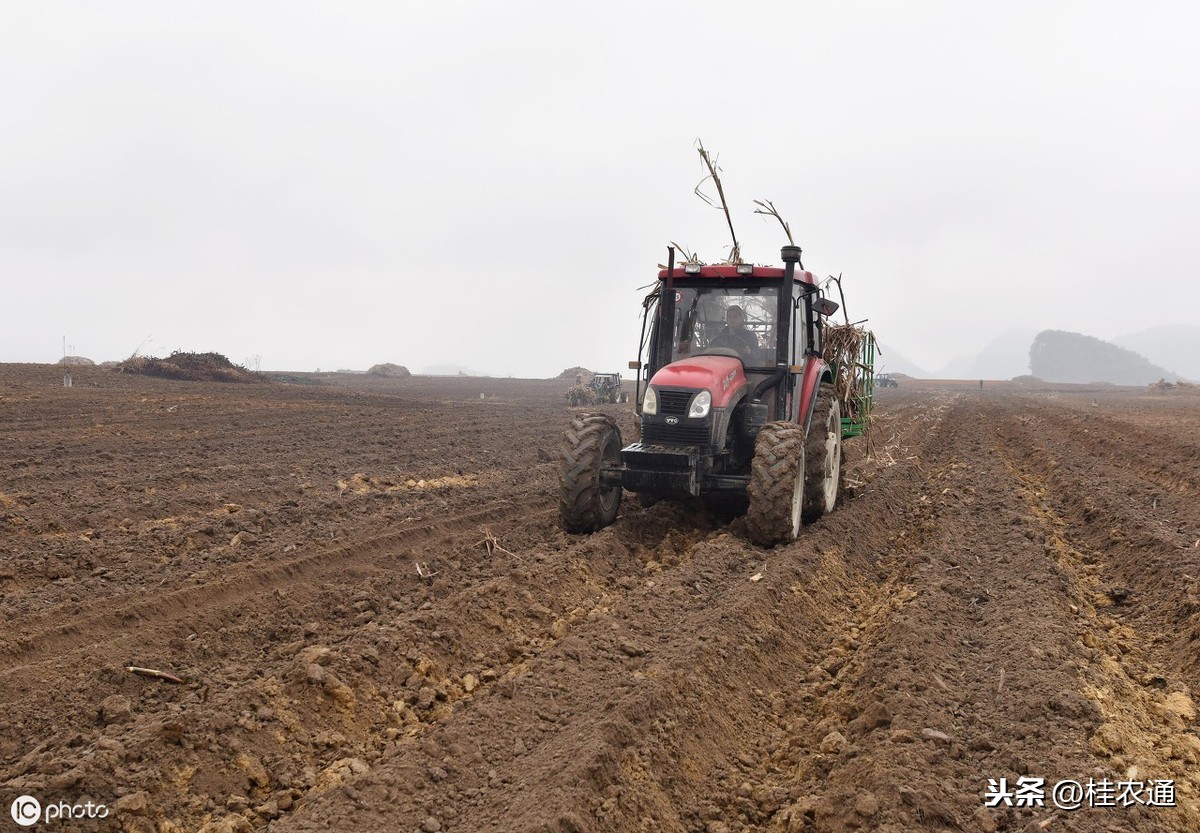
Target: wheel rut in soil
1131, 592
394, 552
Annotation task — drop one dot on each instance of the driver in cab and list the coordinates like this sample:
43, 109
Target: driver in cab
735, 335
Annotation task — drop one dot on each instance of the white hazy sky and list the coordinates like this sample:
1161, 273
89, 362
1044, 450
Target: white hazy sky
488, 184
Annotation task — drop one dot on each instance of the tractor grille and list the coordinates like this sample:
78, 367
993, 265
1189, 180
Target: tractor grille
674, 402
694, 432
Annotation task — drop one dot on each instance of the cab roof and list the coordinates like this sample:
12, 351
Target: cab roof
743, 271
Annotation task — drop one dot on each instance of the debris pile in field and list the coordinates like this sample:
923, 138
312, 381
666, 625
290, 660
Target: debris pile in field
389, 371
843, 346
1163, 384
190, 367
76, 361
580, 373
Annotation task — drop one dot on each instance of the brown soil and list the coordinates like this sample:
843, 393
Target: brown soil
380, 625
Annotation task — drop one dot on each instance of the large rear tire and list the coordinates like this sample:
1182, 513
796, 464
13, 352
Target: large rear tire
776, 489
584, 505
823, 457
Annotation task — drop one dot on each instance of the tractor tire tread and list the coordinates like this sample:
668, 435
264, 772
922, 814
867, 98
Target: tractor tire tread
814, 457
778, 453
581, 505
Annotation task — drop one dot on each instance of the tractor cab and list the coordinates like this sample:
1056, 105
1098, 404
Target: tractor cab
715, 318
750, 336
727, 320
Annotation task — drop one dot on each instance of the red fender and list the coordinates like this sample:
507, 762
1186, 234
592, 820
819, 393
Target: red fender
815, 372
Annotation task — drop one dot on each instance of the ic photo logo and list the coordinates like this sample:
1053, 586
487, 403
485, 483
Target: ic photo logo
26, 810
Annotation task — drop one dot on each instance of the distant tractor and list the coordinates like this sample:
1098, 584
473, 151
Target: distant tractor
738, 399
600, 389
607, 388
886, 380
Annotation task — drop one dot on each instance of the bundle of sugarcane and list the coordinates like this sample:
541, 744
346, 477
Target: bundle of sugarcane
581, 395
842, 349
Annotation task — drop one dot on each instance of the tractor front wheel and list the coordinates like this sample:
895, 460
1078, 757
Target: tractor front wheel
583, 503
776, 489
823, 456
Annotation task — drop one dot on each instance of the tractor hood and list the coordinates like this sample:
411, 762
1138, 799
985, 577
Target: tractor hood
722, 376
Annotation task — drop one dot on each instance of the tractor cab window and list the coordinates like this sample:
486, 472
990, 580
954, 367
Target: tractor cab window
736, 321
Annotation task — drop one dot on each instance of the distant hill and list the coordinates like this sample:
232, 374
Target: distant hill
1174, 346
389, 370
890, 360
1059, 356
1003, 358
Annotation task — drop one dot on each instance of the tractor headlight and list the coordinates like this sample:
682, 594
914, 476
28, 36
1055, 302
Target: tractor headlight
701, 404
650, 402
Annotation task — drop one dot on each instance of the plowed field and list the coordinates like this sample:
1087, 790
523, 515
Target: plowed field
378, 624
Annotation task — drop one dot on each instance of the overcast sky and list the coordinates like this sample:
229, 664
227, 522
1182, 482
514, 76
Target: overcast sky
488, 184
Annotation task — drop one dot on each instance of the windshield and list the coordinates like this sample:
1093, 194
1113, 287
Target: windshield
734, 321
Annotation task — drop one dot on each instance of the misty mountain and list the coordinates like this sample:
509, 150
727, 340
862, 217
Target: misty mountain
1003, 358
889, 360
1059, 356
1174, 346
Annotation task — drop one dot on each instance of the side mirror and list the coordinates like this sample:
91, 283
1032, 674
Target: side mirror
825, 306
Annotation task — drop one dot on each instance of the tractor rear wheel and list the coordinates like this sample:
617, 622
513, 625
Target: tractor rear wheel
823, 456
776, 489
583, 503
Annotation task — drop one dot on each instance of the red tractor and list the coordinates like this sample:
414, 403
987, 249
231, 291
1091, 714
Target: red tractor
737, 400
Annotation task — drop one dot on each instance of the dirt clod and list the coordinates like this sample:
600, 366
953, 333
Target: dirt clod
116, 709
866, 805
132, 804
631, 649
833, 743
